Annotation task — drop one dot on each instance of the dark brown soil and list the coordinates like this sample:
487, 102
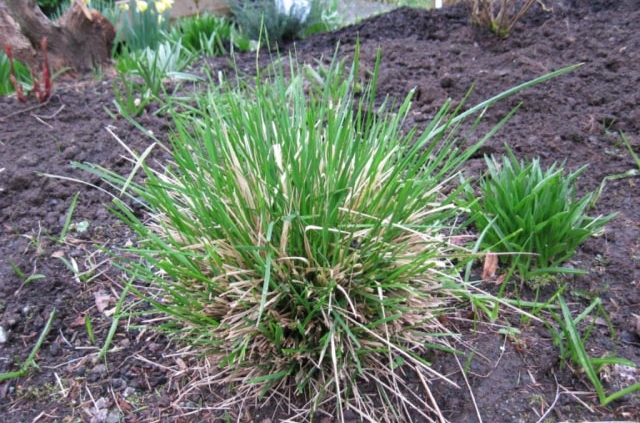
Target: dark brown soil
576, 118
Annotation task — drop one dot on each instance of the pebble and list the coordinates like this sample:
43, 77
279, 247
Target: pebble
101, 403
80, 371
54, 349
4, 336
112, 417
118, 384
99, 368
28, 160
96, 373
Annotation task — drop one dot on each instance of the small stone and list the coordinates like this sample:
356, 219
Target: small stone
100, 416
99, 369
101, 403
118, 384
4, 335
112, 417
28, 160
54, 349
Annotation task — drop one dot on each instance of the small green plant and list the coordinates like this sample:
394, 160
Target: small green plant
627, 144
67, 221
20, 72
142, 75
532, 214
270, 22
23, 276
154, 65
572, 347
31, 359
203, 34
499, 16
40, 86
89, 327
117, 315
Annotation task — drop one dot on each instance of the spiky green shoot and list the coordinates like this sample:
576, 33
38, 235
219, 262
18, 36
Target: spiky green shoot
534, 213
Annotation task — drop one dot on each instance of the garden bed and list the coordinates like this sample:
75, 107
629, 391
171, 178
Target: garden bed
575, 119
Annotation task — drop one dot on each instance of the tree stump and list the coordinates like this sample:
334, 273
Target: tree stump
79, 40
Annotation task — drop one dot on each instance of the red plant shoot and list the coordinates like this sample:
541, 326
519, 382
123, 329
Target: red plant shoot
42, 86
46, 74
12, 75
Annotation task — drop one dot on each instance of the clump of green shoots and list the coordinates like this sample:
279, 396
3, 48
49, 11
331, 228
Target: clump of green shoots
142, 74
203, 34
499, 16
533, 214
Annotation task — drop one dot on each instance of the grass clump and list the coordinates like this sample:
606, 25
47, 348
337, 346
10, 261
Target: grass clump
534, 213
297, 239
143, 75
301, 243
203, 34
499, 16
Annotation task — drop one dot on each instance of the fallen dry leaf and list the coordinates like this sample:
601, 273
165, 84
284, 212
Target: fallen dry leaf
102, 300
58, 254
78, 321
181, 364
490, 266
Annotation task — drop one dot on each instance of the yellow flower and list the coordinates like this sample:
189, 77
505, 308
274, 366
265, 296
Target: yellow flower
163, 5
86, 1
141, 5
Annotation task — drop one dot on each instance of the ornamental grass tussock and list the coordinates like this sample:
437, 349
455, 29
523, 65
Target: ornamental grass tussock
298, 243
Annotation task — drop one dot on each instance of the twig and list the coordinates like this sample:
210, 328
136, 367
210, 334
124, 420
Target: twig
553, 404
28, 109
466, 381
41, 121
50, 116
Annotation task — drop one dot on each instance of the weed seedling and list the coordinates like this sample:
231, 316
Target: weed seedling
67, 221
572, 347
635, 157
30, 361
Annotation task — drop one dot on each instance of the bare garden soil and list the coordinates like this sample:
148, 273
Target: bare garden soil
575, 119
